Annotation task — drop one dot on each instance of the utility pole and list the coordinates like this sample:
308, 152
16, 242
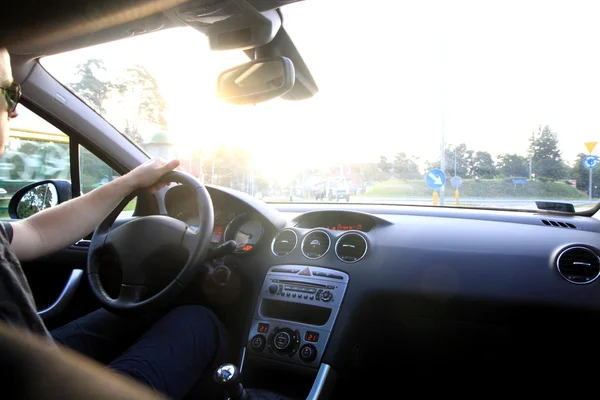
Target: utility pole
442, 161
454, 160
201, 169
590, 184
212, 175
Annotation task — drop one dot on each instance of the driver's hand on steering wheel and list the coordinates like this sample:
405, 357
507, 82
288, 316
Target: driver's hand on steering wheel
147, 174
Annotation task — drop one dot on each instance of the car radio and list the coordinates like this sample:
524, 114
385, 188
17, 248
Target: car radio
295, 313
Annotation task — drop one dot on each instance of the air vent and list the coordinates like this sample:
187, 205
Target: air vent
284, 243
351, 247
578, 265
559, 224
315, 244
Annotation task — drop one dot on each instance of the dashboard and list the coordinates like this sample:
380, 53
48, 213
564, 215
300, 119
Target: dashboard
432, 284
233, 220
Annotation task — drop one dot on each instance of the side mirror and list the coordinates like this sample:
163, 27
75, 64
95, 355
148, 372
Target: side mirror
257, 81
38, 196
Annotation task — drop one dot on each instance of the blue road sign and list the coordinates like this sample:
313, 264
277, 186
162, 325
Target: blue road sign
590, 162
519, 181
436, 178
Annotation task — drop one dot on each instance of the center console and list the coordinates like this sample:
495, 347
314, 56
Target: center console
295, 313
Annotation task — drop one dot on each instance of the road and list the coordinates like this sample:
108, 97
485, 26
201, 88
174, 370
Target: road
466, 202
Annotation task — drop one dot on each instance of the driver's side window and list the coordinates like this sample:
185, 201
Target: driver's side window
94, 172
36, 150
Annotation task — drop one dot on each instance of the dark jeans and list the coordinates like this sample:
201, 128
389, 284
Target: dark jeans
169, 355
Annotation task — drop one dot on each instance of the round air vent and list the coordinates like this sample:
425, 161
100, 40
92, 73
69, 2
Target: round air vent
351, 247
315, 244
578, 265
284, 242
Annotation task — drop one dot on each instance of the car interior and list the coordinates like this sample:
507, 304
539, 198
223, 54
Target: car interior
321, 300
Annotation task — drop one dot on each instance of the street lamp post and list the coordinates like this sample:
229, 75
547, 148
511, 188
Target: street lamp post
442, 161
454, 160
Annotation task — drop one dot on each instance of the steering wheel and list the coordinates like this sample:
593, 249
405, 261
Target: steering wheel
132, 244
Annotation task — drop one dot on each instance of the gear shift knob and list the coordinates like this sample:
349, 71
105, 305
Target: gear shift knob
228, 377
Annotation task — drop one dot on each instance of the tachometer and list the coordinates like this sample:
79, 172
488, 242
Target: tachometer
246, 231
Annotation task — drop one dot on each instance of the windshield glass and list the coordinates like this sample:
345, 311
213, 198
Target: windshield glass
462, 104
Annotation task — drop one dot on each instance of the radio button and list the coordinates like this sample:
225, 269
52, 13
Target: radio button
273, 288
326, 296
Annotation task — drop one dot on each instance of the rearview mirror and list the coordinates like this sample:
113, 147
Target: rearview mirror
257, 81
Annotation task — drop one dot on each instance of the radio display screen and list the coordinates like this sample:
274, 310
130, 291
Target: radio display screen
337, 221
342, 227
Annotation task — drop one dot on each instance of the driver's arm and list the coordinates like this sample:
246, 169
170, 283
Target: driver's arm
58, 227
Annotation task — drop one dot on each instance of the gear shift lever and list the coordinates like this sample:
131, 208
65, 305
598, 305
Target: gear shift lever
228, 378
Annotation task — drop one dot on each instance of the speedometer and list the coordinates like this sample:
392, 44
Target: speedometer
246, 231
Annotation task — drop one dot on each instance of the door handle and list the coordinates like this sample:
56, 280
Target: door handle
65, 296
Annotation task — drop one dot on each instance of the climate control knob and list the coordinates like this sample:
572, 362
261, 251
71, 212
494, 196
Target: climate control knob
326, 296
308, 353
284, 341
273, 288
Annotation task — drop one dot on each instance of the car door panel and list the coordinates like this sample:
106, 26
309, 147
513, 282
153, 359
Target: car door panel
59, 283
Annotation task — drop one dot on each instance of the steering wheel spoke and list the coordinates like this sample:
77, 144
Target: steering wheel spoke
132, 293
190, 240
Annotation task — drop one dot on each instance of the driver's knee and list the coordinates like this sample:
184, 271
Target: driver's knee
176, 351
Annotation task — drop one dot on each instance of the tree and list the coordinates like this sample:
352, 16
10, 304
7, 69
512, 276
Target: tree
482, 166
513, 165
373, 173
463, 157
545, 154
261, 185
582, 175
133, 133
405, 167
140, 91
384, 165
137, 92
231, 167
90, 88
35, 200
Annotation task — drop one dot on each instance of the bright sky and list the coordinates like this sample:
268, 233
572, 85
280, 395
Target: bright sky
387, 73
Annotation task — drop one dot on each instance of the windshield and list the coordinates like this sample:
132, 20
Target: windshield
463, 104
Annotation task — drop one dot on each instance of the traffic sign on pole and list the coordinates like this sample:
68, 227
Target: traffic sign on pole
456, 182
590, 146
435, 179
590, 162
